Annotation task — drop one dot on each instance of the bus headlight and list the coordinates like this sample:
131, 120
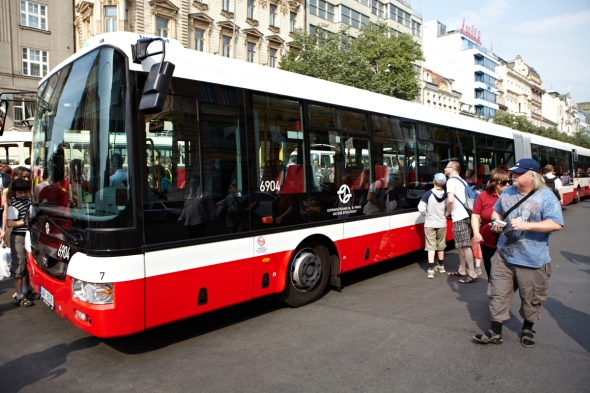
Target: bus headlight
92, 293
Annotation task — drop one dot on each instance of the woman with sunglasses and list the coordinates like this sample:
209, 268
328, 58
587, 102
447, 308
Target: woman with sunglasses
482, 215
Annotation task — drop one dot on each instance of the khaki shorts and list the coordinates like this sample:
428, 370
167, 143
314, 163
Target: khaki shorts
435, 239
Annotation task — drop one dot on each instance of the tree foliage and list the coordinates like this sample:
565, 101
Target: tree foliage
523, 124
374, 61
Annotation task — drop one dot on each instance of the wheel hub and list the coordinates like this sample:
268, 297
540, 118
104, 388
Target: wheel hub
306, 270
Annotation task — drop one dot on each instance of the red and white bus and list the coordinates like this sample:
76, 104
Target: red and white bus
232, 148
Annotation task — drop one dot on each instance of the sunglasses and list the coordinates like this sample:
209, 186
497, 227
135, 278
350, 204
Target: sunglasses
506, 182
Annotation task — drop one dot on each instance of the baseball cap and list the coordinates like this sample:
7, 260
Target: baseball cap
440, 179
525, 164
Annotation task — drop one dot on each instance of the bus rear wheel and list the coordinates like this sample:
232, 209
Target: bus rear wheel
307, 275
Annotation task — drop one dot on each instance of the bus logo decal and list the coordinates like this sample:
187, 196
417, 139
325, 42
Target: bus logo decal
261, 241
344, 194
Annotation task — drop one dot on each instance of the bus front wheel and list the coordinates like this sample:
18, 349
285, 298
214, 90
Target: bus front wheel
307, 275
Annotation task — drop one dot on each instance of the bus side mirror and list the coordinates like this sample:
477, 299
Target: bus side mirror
156, 88
3, 112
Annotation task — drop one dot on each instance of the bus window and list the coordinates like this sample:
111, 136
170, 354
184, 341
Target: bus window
341, 189
279, 169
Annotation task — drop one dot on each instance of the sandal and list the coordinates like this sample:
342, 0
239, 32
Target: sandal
527, 339
493, 339
478, 271
468, 279
455, 273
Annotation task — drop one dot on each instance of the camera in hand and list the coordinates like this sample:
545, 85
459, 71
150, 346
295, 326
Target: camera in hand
499, 223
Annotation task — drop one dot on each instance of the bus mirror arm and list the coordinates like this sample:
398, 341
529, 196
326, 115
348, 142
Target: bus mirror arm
140, 53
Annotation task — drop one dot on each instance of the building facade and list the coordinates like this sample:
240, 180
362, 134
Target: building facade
521, 90
559, 112
35, 36
458, 54
438, 92
257, 31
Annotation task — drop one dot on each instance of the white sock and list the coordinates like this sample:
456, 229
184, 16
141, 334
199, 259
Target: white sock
19, 296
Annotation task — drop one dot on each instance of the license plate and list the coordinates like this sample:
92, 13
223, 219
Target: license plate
47, 297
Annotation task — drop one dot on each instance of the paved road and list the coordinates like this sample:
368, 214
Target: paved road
390, 330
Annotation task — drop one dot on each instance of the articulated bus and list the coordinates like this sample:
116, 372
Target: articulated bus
268, 172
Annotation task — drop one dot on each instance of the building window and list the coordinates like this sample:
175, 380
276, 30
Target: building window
378, 8
484, 111
161, 27
322, 9
23, 111
292, 22
273, 15
485, 62
353, 18
225, 46
399, 15
110, 19
485, 95
33, 15
364, 2
200, 40
251, 52
225, 5
250, 9
485, 78
273, 58
35, 62
416, 27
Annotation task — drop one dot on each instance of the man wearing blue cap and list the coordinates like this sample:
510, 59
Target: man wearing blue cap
530, 213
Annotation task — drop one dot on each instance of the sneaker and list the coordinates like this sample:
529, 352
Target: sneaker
23, 302
32, 295
430, 273
440, 268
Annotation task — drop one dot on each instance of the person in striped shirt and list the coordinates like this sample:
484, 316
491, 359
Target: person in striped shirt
15, 219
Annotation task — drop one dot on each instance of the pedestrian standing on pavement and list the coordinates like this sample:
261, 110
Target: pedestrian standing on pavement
461, 223
17, 210
433, 207
553, 182
522, 260
482, 216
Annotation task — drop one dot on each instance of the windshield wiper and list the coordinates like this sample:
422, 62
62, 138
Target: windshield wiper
74, 238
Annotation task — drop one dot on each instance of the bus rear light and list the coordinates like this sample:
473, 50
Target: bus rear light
267, 220
92, 293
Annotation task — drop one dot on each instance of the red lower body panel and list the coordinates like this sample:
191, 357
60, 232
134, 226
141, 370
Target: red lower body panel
123, 317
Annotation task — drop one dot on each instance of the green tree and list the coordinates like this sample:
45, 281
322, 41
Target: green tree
523, 124
374, 61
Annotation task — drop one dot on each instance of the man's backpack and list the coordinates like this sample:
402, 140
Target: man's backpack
551, 184
471, 195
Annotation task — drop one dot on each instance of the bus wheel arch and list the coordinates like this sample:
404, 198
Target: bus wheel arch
307, 271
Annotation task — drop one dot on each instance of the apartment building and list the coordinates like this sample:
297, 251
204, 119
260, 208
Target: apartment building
35, 36
522, 89
257, 31
458, 54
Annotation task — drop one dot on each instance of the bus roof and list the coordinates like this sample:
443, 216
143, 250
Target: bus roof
206, 67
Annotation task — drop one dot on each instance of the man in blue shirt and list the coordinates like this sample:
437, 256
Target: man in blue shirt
522, 260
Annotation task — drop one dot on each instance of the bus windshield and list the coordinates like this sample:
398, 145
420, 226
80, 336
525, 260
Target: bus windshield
79, 144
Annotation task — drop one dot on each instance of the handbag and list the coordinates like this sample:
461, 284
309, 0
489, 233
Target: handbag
5, 261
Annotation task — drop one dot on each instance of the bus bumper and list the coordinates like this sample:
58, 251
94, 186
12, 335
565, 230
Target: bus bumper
125, 316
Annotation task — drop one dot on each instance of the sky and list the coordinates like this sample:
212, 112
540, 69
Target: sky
553, 37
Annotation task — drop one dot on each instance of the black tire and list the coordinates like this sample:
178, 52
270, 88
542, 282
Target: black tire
312, 261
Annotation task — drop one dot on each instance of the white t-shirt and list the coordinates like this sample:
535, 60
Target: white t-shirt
558, 184
455, 186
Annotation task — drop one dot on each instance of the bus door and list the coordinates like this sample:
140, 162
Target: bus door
192, 165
